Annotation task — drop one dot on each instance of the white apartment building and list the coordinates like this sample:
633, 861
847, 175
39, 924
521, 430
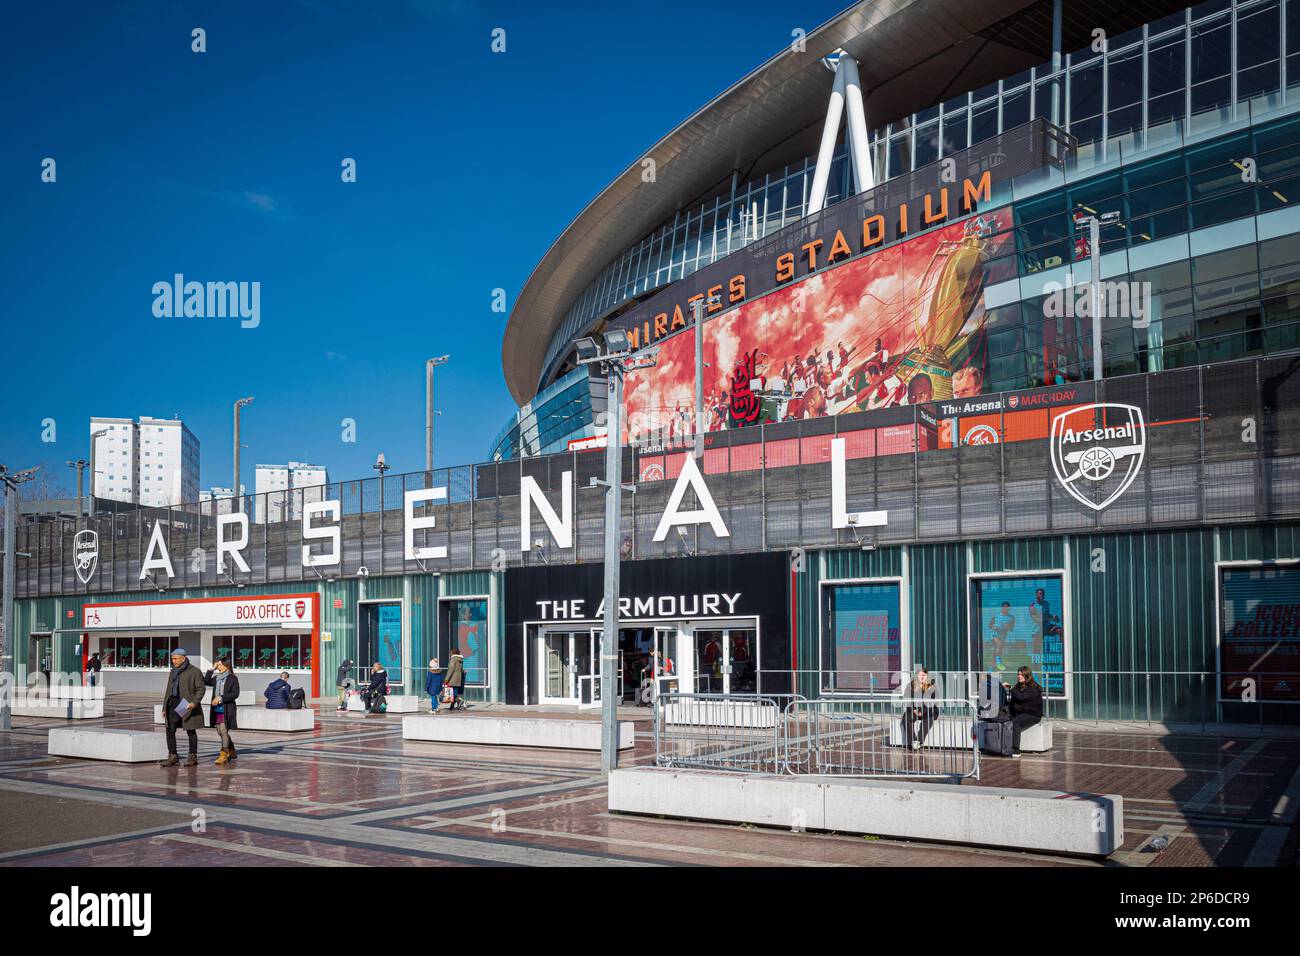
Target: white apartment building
216, 491
282, 489
152, 462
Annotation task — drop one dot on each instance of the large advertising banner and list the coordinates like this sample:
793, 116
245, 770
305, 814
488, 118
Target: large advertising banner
388, 638
1019, 622
866, 636
1259, 649
901, 326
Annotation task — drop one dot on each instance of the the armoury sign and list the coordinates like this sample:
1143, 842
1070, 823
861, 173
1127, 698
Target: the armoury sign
1097, 450
953, 187
321, 522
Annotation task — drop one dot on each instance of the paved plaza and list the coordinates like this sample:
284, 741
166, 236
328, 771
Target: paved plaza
354, 793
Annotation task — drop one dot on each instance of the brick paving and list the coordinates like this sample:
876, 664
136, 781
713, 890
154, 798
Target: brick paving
353, 793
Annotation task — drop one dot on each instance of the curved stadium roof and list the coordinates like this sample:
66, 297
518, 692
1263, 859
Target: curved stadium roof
912, 54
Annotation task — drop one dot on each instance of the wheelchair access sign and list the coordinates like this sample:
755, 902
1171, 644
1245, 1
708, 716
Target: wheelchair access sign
1097, 450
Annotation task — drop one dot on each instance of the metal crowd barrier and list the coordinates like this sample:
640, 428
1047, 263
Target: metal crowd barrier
720, 732
865, 737
881, 737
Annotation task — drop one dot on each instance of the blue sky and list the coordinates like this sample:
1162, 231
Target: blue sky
225, 166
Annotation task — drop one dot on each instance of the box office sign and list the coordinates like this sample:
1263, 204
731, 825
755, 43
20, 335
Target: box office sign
286, 610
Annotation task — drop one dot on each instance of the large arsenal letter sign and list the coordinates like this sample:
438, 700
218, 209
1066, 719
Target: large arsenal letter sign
1097, 451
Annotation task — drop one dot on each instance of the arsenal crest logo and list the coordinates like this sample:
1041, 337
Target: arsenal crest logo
85, 554
1097, 451
300, 608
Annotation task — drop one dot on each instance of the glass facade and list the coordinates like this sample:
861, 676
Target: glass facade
564, 410
1186, 73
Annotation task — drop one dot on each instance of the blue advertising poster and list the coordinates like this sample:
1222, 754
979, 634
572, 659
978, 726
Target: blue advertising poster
470, 622
388, 640
1020, 623
1260, 646
867, 636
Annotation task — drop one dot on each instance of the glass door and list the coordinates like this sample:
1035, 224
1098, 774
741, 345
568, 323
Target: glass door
663, 662
556, 660
726, 661
587, 673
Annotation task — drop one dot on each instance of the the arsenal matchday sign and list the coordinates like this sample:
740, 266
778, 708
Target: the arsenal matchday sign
286, 610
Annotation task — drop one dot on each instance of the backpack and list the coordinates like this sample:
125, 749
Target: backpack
297, 698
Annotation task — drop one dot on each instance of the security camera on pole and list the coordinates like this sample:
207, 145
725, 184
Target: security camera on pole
11, 481
617, 359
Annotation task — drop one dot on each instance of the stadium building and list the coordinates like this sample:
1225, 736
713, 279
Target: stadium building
919, 446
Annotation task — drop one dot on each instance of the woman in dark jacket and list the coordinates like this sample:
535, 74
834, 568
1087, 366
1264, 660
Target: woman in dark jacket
455, 679
433, 684
1026, 706
225, 703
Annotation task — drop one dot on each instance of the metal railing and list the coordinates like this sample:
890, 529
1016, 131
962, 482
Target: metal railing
720, 732
881, 737
877, 737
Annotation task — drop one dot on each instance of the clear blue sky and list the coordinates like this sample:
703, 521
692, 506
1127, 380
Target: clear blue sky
225, 166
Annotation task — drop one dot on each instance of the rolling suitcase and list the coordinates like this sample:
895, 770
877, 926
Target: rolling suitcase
995, 737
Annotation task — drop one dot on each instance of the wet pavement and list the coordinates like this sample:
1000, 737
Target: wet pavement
353, 793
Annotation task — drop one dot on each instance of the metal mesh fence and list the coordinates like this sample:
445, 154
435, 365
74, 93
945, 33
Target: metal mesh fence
1222, 445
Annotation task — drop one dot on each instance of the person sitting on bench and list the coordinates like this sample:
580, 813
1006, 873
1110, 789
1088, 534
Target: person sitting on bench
1026, 706
915, 694
277, 692
374, 692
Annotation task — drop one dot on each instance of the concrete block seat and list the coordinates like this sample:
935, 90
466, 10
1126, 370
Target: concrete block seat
1046, 820
123, 746
551, 733
29, 705
77, 692
951, 732
258, 718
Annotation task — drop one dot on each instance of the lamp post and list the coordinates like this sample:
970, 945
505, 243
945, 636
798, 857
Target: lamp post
80, 465
697, 307
94, 441
234, 488
1093, 222
11, 481
617, 359
429, 366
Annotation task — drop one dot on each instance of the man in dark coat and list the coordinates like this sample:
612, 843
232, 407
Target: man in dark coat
375, 691
184, 686
277, 692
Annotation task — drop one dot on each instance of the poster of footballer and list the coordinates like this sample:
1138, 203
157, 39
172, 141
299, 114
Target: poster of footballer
901, 326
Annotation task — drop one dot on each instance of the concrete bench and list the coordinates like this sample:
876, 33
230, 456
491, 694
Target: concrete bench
513, 731
257, 718
124, 746
76, 692
1046, 820
29, 706
403, 704
954, 733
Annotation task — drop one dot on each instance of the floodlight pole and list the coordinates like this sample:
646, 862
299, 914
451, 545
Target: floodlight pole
698, 307
429, 366
609, 626
1094, 256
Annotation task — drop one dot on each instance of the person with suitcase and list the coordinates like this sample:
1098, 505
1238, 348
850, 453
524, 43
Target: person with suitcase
1026, 706
916, 708
993, 730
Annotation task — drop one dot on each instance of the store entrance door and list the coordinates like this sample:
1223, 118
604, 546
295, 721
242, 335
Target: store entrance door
40, 656
724, 660
565, 659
